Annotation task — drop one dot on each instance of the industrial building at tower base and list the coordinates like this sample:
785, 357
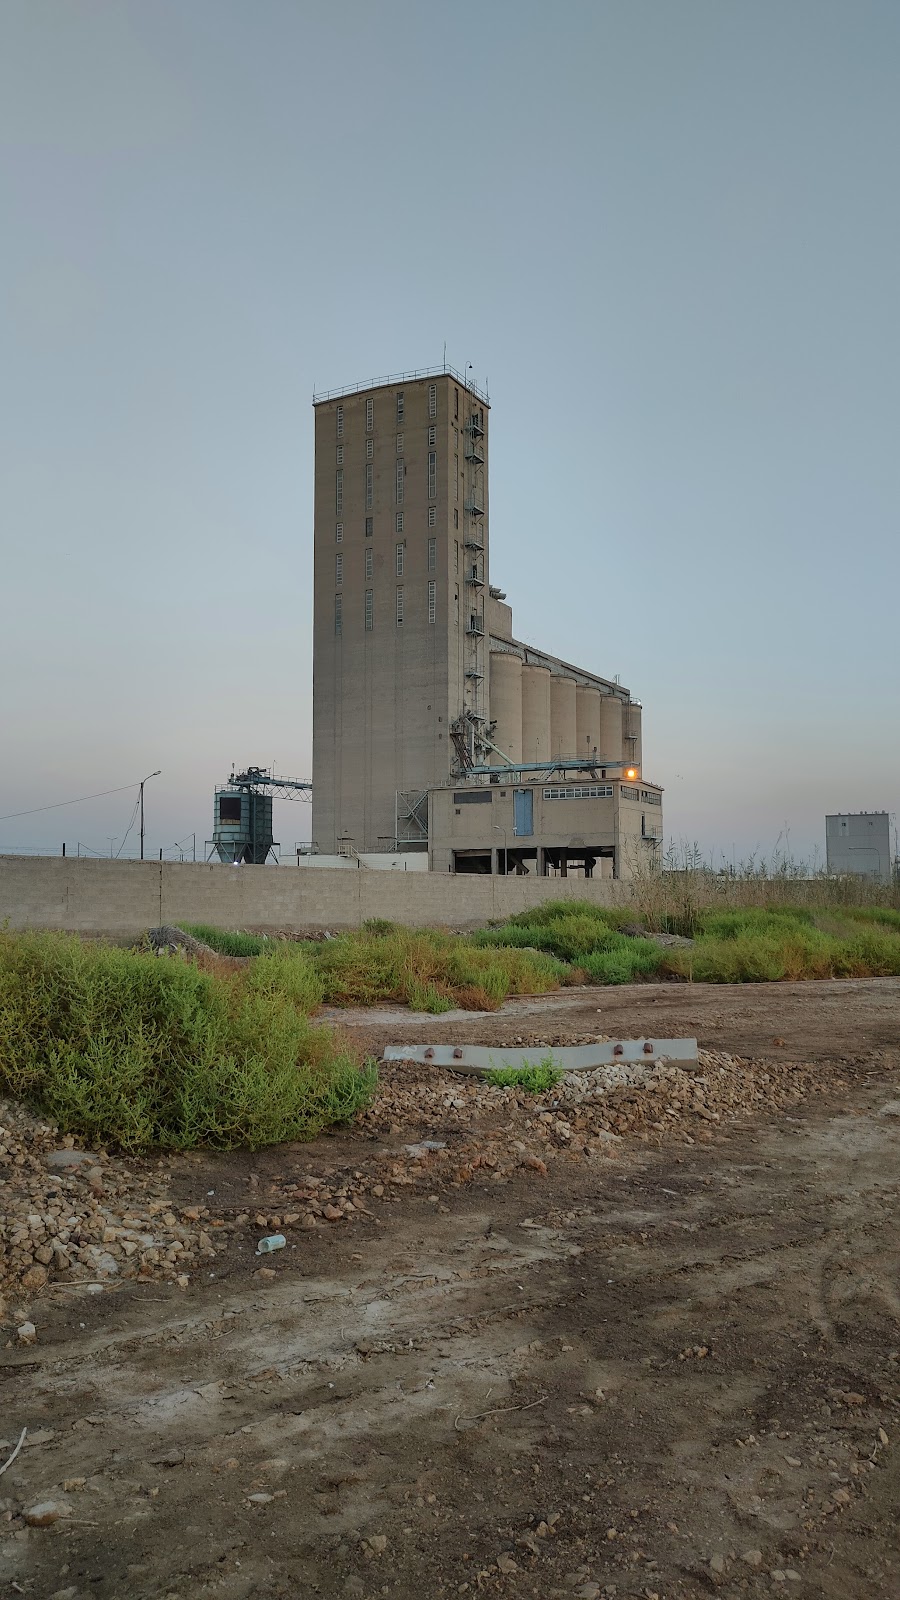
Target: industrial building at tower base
437, 733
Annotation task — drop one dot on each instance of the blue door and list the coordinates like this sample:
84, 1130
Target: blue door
523, 826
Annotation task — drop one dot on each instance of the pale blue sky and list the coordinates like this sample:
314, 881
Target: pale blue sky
667, 234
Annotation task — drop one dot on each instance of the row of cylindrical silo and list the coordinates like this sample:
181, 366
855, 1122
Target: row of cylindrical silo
506, 703
563, 716
543, 716
535, 714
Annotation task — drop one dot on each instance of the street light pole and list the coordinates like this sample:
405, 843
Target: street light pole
143, 781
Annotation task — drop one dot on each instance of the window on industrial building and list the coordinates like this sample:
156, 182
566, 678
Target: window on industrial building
339, 490
400, 554
399, 405
581, 791
399, 605
432, 555
400, 482
339, 533
432, 474
432, 435
370, 485
399, 444
398, 522
456, 543
339, 420
455, 517
338, 613
456, 477
432, 600
370, 562
432, 516
340, 455
339, 567
629, 794
651, 798
370, 610
456, 402
432, 399
370, 449
370, 415
370, 527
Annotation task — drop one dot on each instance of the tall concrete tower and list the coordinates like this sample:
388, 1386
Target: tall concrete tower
400, 583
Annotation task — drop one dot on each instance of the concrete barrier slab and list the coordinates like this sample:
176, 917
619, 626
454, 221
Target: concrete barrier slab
481, 1059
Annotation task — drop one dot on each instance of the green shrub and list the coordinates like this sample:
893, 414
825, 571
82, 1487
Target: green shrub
786, 949
289, 969
626, 962
749, 944
226, 941
427, 997
423, 965
878, 914
130, 1049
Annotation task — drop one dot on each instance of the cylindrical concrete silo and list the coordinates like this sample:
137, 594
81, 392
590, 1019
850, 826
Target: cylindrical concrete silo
563, 717
610, 729
535, 714
587, 721
633, 751
505, 688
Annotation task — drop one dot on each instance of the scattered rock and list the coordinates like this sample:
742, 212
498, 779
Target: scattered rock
377, 1543
717, 1564
46, 1512
535, 1164
753, 1558
26, 1333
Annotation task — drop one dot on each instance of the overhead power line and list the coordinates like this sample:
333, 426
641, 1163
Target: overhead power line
58, 804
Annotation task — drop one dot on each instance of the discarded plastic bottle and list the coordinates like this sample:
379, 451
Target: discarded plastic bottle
272, 1241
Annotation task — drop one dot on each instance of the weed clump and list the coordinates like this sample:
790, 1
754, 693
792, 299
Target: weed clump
536, 1079
226, 941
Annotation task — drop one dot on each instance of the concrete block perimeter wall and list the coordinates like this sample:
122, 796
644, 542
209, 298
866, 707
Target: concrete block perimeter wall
122, 898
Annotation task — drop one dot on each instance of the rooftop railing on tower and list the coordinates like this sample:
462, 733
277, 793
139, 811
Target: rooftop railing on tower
444, 371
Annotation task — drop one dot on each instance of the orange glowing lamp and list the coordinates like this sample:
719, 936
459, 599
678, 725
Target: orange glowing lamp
631, 772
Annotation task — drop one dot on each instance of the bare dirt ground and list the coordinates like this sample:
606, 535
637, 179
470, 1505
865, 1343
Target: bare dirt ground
659, 1359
